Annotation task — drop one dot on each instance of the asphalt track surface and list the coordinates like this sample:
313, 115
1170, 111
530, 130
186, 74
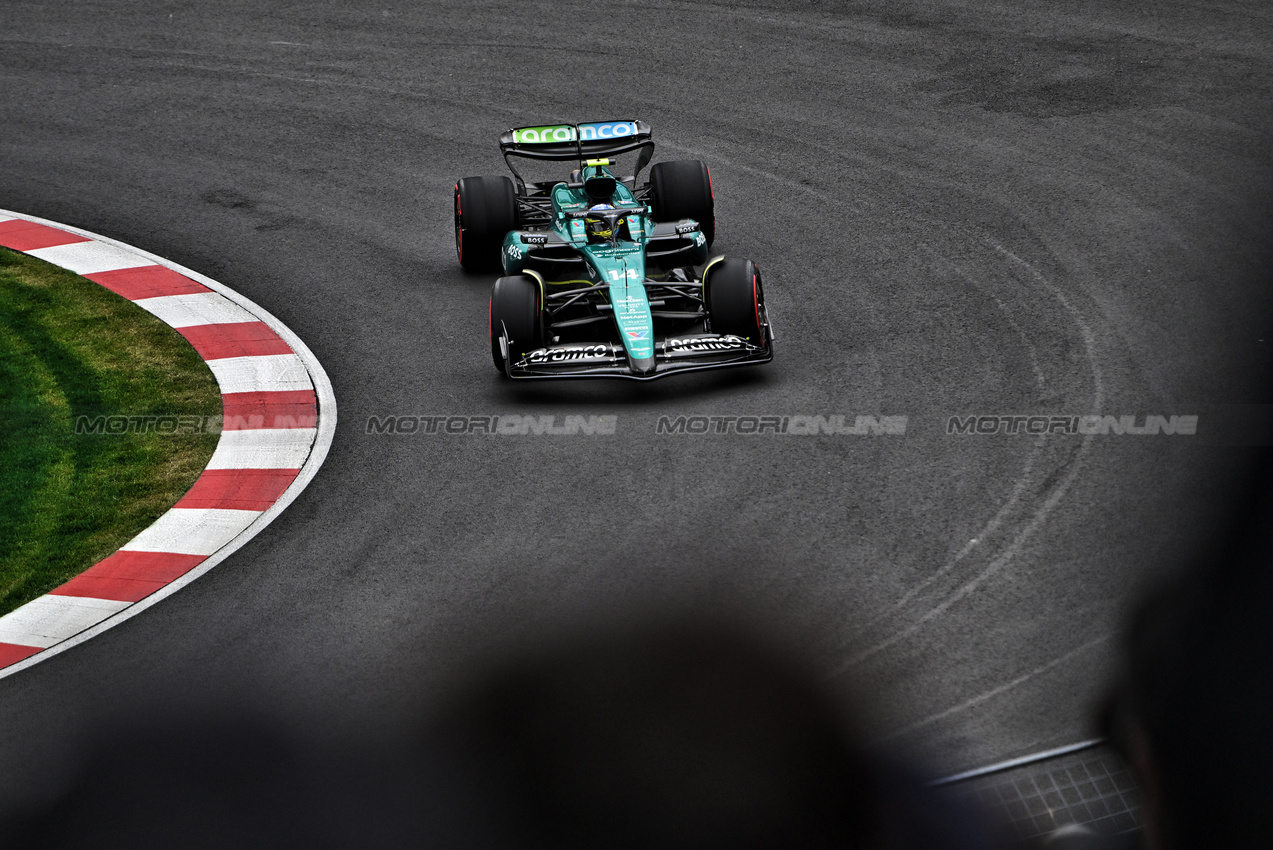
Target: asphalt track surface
972, 208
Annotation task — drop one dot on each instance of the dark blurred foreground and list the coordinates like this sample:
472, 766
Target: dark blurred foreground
1191, 712
687, 732
680, 735
677, 733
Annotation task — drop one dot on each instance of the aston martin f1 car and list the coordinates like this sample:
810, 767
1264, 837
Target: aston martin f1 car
603, 277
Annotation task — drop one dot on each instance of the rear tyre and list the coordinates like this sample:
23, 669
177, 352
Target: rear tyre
683, 189
516, 309
485, 210
735, 299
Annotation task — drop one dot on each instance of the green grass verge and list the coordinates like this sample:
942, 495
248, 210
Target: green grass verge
70, 348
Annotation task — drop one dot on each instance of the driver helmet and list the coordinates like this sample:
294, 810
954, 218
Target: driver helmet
596, 225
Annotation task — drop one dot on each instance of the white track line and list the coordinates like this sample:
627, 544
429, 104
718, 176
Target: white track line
999, 767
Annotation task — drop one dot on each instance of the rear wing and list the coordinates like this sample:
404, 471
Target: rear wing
580, 142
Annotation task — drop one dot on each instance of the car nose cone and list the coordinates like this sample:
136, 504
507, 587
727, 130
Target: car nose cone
642, 365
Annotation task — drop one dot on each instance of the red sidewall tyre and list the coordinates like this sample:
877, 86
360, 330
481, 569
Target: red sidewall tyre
683, 189
516, 307
485, 210
735, 298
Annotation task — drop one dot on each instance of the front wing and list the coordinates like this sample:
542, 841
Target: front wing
688, 353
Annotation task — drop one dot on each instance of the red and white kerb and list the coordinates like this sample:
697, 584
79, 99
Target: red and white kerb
271, 424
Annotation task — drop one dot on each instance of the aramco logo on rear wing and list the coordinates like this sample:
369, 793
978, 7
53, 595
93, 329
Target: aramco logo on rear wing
556, 133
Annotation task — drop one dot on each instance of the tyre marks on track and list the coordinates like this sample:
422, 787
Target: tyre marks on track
1022, 528
1020, 517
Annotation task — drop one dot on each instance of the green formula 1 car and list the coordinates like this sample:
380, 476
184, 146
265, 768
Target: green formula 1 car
602, 277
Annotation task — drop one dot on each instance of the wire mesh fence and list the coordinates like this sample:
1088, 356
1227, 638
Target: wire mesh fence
1091, 787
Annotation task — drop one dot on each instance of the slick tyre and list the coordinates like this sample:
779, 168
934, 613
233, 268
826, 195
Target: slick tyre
516, 309
485, 210
735, 299
683, 189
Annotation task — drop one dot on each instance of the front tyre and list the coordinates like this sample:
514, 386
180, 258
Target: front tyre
485, 210
517, 311
735, 299
683, 189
